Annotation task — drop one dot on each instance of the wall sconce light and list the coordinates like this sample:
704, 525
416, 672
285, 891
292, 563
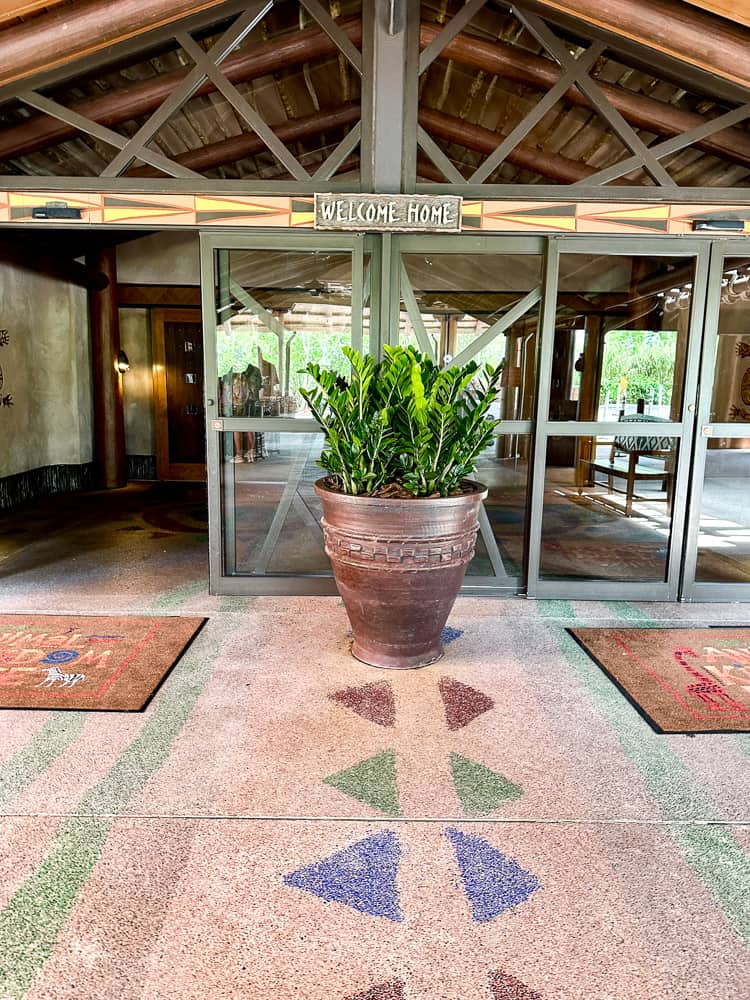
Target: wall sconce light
122, 365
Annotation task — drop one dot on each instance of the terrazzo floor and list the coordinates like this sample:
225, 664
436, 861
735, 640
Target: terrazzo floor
284, 822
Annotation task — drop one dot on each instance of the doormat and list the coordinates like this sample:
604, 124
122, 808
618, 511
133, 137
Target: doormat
88, 662
682, 680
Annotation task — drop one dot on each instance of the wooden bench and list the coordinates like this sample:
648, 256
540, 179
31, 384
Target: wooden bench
625, 462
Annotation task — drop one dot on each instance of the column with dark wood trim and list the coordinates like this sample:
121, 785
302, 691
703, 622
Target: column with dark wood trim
109, 417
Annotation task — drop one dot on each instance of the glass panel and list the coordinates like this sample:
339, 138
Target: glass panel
608, 508
504, 469
461, 297
277, 310
270, 512
620, 336
730, 399
724, 535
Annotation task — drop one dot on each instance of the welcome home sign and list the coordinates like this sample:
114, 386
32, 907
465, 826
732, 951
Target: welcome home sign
388, 212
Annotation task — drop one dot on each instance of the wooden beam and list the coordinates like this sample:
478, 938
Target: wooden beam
143, 97
735, 10
642, 112
70, 33
216, 154
668, 28
109, 414
14, 10
560, 169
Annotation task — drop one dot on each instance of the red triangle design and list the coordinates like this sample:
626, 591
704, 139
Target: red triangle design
462, 703
372, 701
507, 987
386, 991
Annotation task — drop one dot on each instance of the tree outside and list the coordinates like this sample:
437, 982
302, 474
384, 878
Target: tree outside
641, 361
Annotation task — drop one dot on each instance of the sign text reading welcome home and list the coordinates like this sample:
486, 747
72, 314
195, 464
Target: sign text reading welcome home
388, 212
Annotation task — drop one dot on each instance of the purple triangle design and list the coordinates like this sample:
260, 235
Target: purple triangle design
493, 883
362, 876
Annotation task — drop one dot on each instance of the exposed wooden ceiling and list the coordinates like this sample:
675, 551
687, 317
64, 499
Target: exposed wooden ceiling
472, 97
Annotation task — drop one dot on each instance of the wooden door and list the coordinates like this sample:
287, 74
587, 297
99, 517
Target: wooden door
178, 392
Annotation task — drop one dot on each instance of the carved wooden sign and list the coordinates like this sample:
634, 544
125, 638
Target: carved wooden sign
388, 213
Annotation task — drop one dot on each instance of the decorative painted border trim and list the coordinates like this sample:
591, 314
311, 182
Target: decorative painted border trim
206, 211
45, 481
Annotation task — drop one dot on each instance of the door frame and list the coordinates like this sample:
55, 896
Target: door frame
220, 477
166, 470
384, 280
682, 430
692, 590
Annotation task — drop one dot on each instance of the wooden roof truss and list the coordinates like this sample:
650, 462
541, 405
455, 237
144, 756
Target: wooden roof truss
542, 64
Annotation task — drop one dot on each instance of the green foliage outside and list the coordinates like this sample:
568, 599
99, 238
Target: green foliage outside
645, 358
239, 348
402, 421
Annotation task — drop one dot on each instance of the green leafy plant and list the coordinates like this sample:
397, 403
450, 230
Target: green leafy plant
402, 425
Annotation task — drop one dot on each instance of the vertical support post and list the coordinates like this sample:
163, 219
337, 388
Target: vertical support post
109, 417
391, 60
224, 304
588, 397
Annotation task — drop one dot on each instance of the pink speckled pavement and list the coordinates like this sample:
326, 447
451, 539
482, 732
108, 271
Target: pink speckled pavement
285, 822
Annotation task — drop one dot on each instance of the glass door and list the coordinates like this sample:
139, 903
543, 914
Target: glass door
717, 559
461, 298
272, 304
622, 325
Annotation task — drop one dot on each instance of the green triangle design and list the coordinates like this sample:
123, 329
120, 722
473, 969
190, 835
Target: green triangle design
479, 789
372, 781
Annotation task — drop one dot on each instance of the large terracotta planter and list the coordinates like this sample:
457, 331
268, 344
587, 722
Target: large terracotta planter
398, 566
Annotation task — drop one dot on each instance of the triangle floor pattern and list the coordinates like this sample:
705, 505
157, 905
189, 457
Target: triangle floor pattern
507, 987
374, 702
480, 790
462, 703
493, 883
386, 991
372, 781
362, 876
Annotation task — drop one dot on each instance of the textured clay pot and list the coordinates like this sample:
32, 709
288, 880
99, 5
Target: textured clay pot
398, 566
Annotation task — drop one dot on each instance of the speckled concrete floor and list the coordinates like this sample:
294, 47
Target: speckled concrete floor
284, 822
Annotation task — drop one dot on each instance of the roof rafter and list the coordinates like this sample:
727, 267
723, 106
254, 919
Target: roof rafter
669, 28
537, 72
145, 97
91, 26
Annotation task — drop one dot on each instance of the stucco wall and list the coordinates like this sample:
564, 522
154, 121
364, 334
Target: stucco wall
138, 384
161, 259
47, 369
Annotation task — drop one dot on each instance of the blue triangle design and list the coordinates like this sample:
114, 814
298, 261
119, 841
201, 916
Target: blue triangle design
362, 876
493, 883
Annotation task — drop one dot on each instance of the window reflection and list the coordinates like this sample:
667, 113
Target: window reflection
277, 311
463, 301
610, 516
620, 337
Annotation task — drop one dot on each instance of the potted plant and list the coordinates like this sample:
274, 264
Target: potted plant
400, 516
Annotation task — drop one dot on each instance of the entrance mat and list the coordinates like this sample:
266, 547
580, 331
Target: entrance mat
88, 662
682, 680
